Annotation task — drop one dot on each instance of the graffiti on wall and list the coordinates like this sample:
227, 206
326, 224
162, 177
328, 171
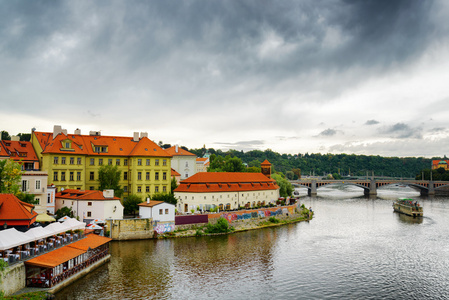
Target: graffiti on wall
256, 214
164, 227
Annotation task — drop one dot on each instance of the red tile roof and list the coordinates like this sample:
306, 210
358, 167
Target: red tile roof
91, 241
206, 182
181, 152
85, 145
202, 159
265, 163
174, 173
18, 151
82, 195
151, 204
15, 212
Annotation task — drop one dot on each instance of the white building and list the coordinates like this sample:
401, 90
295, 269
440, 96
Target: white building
157, 210
202, 164
225, 191
90, 205
35, 182
182, 161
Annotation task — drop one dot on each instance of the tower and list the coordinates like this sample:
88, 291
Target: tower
266, 168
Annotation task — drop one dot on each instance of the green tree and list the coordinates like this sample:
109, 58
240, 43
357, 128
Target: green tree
24, 136
174, 184
109, 178
290, 175
286, 188
5, 136
10, 176
64, 211
130, 204
166, 197
28, 198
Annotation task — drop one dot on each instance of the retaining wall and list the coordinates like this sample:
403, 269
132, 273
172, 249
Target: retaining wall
13, 278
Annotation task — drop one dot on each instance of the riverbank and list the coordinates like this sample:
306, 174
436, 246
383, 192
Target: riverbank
243, 225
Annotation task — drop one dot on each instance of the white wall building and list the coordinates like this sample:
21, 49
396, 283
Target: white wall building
182, 161
157, 210
89, 205
35, 182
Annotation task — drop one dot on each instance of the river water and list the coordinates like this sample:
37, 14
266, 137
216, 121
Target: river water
354, 248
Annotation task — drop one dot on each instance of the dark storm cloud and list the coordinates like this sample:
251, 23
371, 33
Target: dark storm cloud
371, 122
328, 132
402, 131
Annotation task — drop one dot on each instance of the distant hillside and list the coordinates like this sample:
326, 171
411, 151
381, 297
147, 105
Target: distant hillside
320, 164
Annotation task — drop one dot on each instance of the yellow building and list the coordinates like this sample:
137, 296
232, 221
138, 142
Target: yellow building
73, 160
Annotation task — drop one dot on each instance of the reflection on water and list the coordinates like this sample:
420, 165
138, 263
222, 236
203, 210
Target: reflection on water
355, 247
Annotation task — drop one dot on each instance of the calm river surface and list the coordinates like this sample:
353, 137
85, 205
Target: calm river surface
354, 248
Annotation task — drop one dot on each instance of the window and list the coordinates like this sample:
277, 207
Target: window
91, 188
187, 175
55, 176
100, 161
92, 176
89, 203
117, 162
164, 176
125, 188
125, 162
48, 198
156, 176
156, 189
97, 149
139, 162
139, 175
110, 161
72, 160
125, 175
104, 149
147, 189
24, 185
160, 211
164, 162
187, 163
63, 176
67, 144
38, 184
92, 161
166, 211
78, 176
156, 162
55, 160
78, 161
71, 176
164, 188
89, 214
148, 162
63, 160
139, 189
147, 176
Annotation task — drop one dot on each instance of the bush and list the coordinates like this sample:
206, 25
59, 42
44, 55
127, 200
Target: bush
222, 226
273, 220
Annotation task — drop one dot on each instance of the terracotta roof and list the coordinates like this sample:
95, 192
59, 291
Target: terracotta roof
68, 252
12, 209
91, 241
202, 159
55, 257
151, 204
207, 182
181, 152
174, 173
85, 145
265, 163
18, 150
82, 195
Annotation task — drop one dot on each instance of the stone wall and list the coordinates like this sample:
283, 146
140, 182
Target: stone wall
130, 229
13, 279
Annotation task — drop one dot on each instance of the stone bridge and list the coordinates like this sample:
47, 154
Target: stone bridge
370, 186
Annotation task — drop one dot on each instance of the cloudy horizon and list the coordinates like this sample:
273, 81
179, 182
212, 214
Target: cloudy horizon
363, 77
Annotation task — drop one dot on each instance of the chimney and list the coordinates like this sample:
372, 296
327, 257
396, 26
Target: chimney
143, 134
108, 193
64, 131
78, 131
57, 129
176, 148
148, 200
15, 138
135, 137
96, 133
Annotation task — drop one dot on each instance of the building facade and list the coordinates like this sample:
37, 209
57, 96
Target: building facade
225, 191
444, 163
72, 161
182, 161
90, 205
159, 211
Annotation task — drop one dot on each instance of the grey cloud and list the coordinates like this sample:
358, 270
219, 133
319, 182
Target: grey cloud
401, 131
438, 129
371, 122
328, 132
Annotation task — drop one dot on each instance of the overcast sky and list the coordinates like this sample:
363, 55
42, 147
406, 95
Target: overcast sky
363, 77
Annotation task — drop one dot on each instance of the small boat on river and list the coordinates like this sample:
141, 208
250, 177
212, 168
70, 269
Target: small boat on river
408, 207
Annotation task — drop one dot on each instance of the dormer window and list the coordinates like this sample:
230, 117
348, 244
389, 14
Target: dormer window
67, 145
